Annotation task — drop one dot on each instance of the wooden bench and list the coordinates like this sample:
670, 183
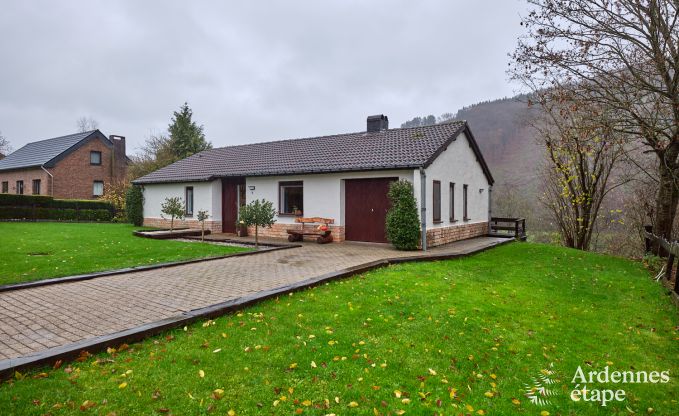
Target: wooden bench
323, 236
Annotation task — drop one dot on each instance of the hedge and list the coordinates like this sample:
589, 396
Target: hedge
24, 213
42, 201
39, 207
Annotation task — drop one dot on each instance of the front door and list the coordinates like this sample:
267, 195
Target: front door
230, 202
366, 206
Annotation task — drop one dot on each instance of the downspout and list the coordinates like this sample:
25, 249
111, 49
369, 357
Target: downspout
51, 181
423, 207
490, 205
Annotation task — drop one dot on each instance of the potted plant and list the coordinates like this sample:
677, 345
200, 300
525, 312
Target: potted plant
241, 229
297, 211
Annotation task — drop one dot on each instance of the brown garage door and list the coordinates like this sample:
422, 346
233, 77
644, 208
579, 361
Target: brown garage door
366, 206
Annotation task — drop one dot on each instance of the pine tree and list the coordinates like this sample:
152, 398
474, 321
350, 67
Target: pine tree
186, 137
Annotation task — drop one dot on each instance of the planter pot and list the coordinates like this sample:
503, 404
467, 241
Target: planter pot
242, 232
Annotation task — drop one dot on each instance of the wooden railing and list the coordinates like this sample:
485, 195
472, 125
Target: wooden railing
508, 227
672, 251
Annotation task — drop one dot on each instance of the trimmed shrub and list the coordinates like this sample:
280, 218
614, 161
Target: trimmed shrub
42, 201
12, 200
40, 207
403, 222
15, 213
134, 204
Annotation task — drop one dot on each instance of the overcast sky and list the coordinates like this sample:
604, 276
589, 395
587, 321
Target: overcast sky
251, 70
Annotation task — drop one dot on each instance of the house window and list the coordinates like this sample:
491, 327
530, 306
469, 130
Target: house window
188, 197
452, 202
98, 188
291, 195
36, 186
20, 187
465, 213
5, 187
437, 201
95, 158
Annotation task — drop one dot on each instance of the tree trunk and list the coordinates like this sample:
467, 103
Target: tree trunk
666, 201
171, 224
256, 237
202, 231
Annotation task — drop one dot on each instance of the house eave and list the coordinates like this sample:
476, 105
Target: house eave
281, 173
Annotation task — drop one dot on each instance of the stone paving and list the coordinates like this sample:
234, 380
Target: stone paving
35, 319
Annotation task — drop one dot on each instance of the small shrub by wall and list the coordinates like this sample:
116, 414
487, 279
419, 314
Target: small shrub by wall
403, 221
134, 204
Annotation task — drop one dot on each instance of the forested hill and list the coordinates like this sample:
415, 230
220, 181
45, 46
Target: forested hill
507, 143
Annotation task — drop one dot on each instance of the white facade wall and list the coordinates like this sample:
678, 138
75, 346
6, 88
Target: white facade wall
206, 196
456, 164
323, 193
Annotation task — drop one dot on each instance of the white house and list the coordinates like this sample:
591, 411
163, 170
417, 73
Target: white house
344, 177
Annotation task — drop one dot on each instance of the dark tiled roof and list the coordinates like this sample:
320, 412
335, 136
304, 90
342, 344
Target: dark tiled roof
389, 149
41, 152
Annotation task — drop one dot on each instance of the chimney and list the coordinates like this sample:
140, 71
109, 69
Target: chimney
119, 165
377, 123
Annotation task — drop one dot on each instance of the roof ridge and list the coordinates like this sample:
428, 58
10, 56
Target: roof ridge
336, 135
61, 137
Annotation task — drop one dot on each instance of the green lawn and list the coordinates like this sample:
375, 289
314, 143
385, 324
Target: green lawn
453, 337
35, 251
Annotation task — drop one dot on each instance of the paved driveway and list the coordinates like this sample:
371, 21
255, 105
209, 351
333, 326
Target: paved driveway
35, 319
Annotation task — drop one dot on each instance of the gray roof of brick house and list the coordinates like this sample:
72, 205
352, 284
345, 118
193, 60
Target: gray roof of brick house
403, 148
45, 152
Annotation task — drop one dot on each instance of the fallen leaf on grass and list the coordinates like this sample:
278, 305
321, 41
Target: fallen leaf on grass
87, 404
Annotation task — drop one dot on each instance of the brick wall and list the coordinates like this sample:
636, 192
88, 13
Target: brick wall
26, 175
213, 226
279, 230
444, 235
73, 176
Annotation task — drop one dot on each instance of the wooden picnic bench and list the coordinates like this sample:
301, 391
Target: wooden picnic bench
323, 234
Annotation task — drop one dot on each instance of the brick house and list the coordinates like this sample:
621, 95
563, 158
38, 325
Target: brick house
74, 167
344, 177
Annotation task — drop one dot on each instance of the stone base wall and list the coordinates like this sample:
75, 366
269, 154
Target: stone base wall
213, 226
279, 230
444, 235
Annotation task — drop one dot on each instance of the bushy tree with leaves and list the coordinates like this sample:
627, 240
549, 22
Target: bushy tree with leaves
258, 213
116, 194
403, 221
173, 208
186, 136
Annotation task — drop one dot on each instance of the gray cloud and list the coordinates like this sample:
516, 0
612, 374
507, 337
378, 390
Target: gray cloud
250, 70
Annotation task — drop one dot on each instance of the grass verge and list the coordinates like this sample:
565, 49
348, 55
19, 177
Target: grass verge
42, 250
452, 337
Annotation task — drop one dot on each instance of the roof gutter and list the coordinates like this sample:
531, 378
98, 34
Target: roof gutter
51, 181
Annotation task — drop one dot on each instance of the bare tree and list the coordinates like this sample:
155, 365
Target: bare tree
619, 54
87, 124
5, 147
156, 153
582, 153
